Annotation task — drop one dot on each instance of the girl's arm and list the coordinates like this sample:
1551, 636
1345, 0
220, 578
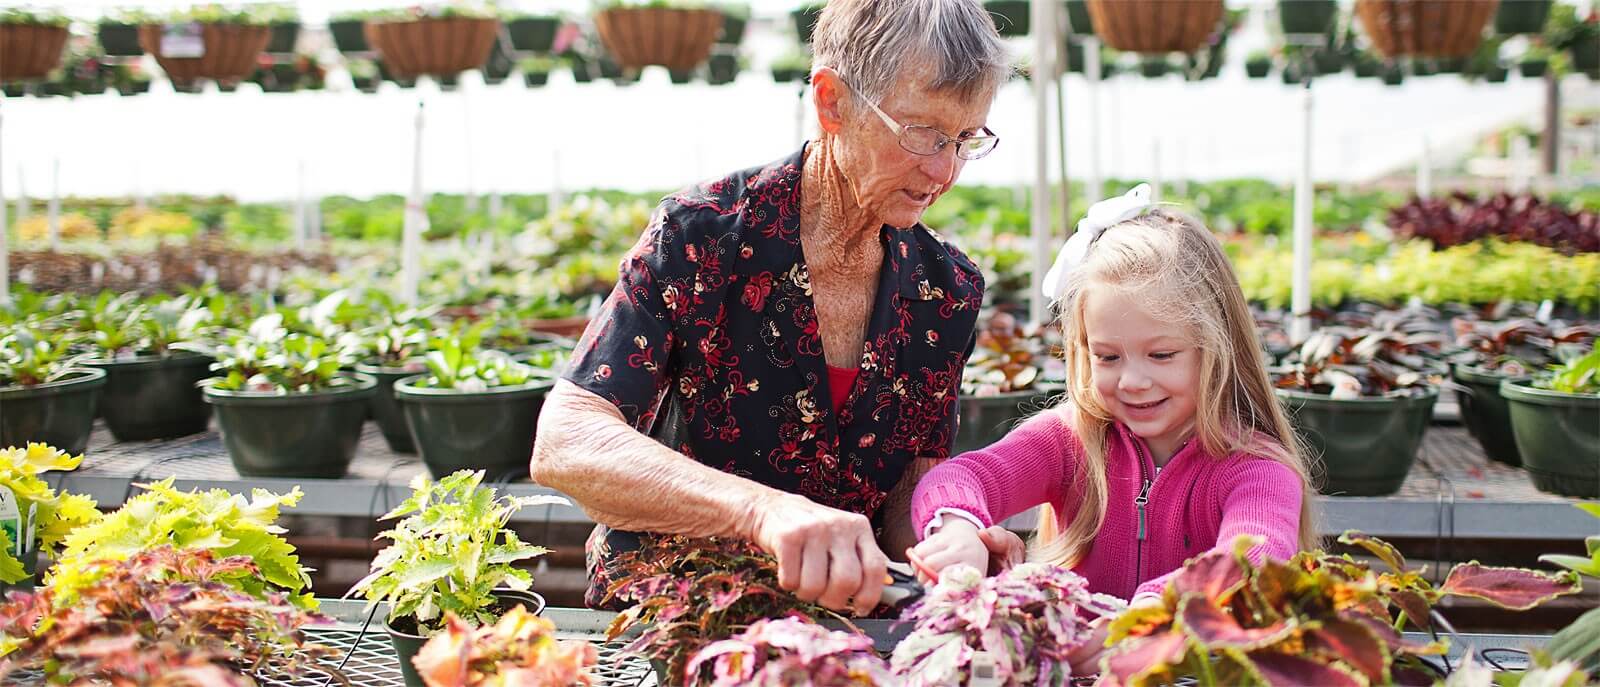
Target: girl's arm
1260, 497
1027, 467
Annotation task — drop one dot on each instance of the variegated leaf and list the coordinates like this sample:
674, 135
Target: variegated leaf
1517, 589
1283, 670
1385, 551
1216, 629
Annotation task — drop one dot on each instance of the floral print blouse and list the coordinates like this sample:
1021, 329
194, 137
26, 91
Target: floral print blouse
713, 313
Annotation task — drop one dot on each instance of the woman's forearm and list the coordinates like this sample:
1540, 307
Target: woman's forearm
626, 480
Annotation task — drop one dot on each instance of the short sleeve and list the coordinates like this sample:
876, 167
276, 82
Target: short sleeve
625, 354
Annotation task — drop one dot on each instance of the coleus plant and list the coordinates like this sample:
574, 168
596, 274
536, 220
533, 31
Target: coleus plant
687, 593
1315, 619
1003, 359
268, 358
1345, 362
1520, 346
1579, 643
519, 649
397, 340
214, 520
1026, 619
52, 514
451, 549
1460, 218
165, 616
30, 357
454, 366
792, 651
1576, 376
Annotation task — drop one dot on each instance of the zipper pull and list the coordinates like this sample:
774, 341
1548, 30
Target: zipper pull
1140, 501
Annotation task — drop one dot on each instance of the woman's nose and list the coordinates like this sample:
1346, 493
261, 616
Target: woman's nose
942, 166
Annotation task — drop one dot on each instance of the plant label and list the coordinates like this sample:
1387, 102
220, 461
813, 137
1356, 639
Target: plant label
11, 520
1546, 309
182, 40
984, 672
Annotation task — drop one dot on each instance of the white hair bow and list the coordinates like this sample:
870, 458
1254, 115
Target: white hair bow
1101, 216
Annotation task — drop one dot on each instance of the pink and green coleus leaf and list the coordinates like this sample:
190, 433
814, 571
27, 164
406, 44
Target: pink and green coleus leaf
1391, 638
1214, 575
1138, 661
1353, 644
1517, 589
1278, 669
1216, 629
1385, 551
1415, 606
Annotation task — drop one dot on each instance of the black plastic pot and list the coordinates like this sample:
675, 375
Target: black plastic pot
1558, 435
722, 69
1485, 413
408, 640
1011, 17
680, 77
1496, 74
535, 79
1367, 445
120, 40
386, 410
349, 35
293, 435
1307, 16
1257, 68
60, 413
787, 74
488, 430
533, 34
985, 419
1533, 67
154, 397
284, 35
1393, 75
1366, 67
1078, 18
1586, 54
1154, 67
805, 21
732, 29
1521, 16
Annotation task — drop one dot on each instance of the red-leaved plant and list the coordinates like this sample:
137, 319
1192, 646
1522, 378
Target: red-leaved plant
165, 616
1521, 346
520, 649
1460, 218
792, 651
1316, 619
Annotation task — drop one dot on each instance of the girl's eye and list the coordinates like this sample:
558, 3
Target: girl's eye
1106, 358
1164, 355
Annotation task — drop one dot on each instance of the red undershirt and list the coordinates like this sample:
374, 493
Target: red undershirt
840, 381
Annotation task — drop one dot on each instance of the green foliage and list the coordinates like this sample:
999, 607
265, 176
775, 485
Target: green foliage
29, 357
269, 359
24, 15
213, 520
452, 365
53, 514
451, 550
1577, 376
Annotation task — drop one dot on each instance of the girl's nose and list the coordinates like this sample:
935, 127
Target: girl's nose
1133, 379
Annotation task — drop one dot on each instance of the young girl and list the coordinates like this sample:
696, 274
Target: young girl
1170, 443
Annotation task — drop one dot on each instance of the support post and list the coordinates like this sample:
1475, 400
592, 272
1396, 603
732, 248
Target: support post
1425, 170
1093, 190
1303, 200
411, 240
55, 205
1044, 23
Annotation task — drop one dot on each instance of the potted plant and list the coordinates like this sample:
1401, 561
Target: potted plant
1494, 352
473, 409
1011, 17
31, 43
119, 33
1362, 399
675, 36
349, 33
722, 68
388, 353
1366, 66
1521, 16
1307, 16
152, 369
285, 24
451, 553
46, 515
998, 385
233, 40
792, 66
1258, 65
284, 408
805, 20
966, 613
1393, 75
364, 75
1316, 619
1133, 25
1154, 66
792, 651
734, 18
441, 42
1553, 420
500, 63
1435, 28
48, 396
1575, 644
536, 70
533, 33
160, 616
519, 649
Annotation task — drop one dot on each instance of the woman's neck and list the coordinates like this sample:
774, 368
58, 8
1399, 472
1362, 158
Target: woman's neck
836, 233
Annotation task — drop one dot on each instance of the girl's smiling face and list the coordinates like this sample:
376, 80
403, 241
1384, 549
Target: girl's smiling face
1145, 369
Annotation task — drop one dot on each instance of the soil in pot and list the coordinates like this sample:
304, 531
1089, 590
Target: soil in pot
154, 397
408, 640
60, 413
296, 435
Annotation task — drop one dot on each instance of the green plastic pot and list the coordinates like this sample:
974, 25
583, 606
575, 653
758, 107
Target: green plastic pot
732, 29
489, 430
1533, 67
1586, 54
284, 35
154, 397
1011, 17
386, 410
1521, 16
985, 419
805, 21
533, 34
1367, 445
1307, 16
1558, 435
349, 35
30, 565
119, 40
1257, 68
60, 413
1078, 18
408, 640
1485, 413
311, 435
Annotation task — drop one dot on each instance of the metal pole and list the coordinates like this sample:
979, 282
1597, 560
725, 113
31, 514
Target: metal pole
1093, 191
55, 204
1155, 169
557, 199
1425, 170
1044, 23
300, 207
5, 245
1521, 160
411, 241
1060, 82
1303, 199
22, 196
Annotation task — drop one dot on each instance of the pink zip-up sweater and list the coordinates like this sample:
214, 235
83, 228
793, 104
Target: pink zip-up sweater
1153, 522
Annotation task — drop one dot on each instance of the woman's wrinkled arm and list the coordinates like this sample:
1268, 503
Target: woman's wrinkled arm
898, 532
625, 480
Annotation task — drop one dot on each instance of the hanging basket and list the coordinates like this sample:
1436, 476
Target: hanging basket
1425, 28
231, 51
438, 47
30, 51
1155, 26
673, 38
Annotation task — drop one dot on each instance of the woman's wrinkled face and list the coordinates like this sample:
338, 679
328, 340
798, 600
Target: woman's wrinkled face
890, 181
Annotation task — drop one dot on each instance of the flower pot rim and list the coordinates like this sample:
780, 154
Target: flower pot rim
367, 367
89, 377
1475, 373
406, 388
427, 20
498, 592
1432, 394
142, 360
365, 386
1522, 390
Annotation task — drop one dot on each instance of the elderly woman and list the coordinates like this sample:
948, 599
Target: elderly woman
780, 359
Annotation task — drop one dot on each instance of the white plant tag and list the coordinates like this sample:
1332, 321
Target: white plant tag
1546, 309
984, 672
182, 40
11, 520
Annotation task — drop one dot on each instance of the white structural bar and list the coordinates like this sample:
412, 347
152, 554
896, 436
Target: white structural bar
1093, 190
5, 245
415, 217
55, 205
1303, 200
1044, 25
1425, 170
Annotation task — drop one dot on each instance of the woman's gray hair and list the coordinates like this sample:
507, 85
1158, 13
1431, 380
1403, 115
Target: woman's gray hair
871, 42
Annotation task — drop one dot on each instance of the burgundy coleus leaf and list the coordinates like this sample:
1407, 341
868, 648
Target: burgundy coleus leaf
1214, 576
1216, 629
1137, 660
1518, 589
1280, 669
1391, 638
1415, 606
1385, 551
1352, 643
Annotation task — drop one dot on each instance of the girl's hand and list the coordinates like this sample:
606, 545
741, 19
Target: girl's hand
1006, 549
955, 541
1085, 658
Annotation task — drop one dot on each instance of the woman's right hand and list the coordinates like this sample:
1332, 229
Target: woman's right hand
824, 554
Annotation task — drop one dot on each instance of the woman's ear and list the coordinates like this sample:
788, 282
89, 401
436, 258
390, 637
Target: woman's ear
827, 93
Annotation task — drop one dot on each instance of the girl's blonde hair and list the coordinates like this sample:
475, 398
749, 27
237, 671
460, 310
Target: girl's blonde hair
1171, 263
